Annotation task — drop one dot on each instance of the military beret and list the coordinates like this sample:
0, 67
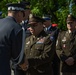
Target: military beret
35, 19
15, 6
70, 18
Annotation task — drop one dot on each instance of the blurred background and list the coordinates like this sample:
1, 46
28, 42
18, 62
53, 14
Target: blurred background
56, 9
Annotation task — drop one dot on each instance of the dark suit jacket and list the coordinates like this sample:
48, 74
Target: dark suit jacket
54, 31
26, 26
56, 62
10, 43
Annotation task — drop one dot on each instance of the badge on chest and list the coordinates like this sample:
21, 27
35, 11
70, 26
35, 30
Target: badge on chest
41, 40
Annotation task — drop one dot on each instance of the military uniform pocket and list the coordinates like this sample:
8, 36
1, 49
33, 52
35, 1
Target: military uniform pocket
38, 49
26, 50
39, 46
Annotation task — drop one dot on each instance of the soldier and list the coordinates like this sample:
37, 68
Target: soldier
39, 49
26, 16
53, 30
11, 37
66, 47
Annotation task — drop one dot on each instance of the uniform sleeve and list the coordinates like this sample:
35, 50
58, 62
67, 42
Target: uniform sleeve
16, 45
58, 46
46, 56
73, 50
74, 53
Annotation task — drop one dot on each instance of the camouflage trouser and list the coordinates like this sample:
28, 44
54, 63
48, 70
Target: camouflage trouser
68, 73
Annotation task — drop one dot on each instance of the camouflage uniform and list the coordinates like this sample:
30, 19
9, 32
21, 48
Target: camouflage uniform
66, 47
40, 51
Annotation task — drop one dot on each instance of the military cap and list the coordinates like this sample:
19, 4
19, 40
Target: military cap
15, 6
34, 19
46, 17
26, 4
70, 18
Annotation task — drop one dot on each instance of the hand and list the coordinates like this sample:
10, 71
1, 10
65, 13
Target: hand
69, 61
25, 65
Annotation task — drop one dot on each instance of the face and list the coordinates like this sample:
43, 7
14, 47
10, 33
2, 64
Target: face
47, 23
36, 28
27, 13
20, 16
71, 25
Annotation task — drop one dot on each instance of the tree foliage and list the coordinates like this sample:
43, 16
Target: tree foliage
57, 9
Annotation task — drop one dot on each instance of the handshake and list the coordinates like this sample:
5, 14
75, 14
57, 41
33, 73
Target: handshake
25, 65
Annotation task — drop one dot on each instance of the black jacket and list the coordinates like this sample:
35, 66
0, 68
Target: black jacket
10, 43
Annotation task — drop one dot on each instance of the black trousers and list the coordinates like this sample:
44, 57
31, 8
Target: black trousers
56, 65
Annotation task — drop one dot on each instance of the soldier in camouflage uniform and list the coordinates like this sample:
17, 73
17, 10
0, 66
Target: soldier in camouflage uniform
39, 49
66, 47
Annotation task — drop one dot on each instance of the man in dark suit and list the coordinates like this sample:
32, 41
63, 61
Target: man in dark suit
11, 38
66, 47
53, 30
24, 24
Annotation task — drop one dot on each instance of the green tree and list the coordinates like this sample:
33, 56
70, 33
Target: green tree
57, 9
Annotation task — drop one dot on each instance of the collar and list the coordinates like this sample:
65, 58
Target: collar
48, 28
69, 31
12, 18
